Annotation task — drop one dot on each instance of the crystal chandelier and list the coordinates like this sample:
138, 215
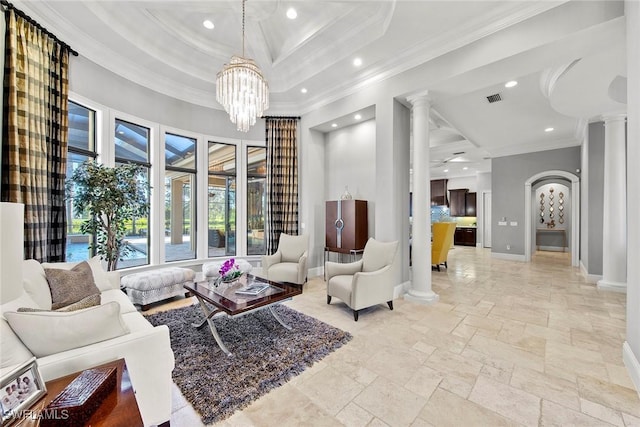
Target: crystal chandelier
241, 89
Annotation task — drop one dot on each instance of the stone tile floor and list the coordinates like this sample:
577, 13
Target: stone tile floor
509, 343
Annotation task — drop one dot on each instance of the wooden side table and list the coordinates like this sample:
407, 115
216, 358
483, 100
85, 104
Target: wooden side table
118, 409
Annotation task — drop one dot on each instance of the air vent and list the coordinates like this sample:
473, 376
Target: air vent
458, 153
494, 98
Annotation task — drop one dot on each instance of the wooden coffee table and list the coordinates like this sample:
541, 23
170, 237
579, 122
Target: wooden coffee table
224, 300
118, 409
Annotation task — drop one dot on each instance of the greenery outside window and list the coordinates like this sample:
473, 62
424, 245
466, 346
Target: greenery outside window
221, 189
180, 201
256, 196
132, 146
82, 147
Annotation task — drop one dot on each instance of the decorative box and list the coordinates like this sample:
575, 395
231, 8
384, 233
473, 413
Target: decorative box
74, 405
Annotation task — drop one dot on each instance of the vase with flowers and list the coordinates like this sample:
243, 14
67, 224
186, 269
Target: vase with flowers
229, 272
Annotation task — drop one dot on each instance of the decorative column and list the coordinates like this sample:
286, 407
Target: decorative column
614, 233
421, 229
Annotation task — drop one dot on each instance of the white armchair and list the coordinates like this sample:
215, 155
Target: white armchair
366, 282
289, 263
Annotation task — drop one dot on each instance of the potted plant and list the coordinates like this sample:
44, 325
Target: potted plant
110, 197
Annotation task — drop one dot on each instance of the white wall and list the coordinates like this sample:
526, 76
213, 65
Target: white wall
350, 161
631, 351
483, 181
468, 182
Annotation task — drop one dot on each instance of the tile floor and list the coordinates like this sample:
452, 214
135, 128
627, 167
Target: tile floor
509, 343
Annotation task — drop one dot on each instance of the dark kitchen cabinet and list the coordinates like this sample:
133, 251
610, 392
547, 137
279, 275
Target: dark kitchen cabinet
465, 236
457, 202
346, 225
439, 192
470, 204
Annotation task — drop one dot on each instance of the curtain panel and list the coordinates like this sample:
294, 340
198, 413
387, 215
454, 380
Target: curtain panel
282, 180
35, 135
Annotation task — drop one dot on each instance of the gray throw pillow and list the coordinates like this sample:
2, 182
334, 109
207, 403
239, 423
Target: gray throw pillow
90, 301
70, 286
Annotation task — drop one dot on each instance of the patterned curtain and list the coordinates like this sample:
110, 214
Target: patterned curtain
34, 135
282, 179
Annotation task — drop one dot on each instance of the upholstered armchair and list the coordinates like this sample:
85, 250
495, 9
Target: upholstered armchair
441, 243
366, 282
289, 263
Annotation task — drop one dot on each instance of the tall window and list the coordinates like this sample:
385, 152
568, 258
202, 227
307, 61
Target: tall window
222, 199
82, 147
256, 180
179, 200
132, 146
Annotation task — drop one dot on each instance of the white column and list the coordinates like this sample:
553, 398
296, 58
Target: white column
614, 233
421, 230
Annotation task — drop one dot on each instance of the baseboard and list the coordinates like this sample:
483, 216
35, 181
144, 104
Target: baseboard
552, 248
590, 278
605, 285
479, 245
316, 271
633, 365
401, 289
509, 257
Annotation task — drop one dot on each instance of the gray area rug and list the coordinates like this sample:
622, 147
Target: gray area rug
265, 355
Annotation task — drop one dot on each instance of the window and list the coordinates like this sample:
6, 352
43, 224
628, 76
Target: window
82, 147
256, 180
132, 146
180, 200
221, 191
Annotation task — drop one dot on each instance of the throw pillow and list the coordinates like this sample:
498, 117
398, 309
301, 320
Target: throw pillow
69, 286
90, 301
100, 276
47, 332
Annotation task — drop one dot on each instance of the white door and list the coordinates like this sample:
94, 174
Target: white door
486, 219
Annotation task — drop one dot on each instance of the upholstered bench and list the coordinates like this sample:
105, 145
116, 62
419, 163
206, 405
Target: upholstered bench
156, 285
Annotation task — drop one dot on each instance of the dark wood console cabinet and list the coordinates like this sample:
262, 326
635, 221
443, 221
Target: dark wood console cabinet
346, 225
470, 204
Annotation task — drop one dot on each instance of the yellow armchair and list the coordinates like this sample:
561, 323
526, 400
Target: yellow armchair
441, 242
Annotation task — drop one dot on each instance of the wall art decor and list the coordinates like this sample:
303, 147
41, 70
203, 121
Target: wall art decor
561, 208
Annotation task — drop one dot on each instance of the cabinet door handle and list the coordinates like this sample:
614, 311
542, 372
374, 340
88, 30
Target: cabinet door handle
339, 224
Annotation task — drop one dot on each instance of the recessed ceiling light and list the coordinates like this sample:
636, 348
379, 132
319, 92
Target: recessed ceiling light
357, 117
291, 13
465, 168
548, 130
446, 170
357, 62
208, 24
303, 90
334, 125
512, 83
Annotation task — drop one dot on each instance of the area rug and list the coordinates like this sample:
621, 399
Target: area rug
265, 355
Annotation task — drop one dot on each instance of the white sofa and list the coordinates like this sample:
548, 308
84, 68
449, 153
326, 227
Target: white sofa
146, 349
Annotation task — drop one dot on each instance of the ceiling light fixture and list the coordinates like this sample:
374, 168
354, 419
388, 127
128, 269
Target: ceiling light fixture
357, 117
465, 168
357, 62
512, 83
241, 89
334, 125
303, 90
548, 130
446, 170
208, 24
291, 13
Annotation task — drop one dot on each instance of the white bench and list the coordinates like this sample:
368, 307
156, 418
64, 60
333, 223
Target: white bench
156, 285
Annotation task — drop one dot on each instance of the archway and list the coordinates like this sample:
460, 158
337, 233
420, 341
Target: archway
575, 212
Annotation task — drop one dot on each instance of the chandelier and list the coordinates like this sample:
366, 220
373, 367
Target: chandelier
241, 89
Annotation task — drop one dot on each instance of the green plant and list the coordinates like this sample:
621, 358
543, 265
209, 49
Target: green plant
112, 198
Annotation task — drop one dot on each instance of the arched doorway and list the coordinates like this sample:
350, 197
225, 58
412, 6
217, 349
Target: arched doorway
574, 213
